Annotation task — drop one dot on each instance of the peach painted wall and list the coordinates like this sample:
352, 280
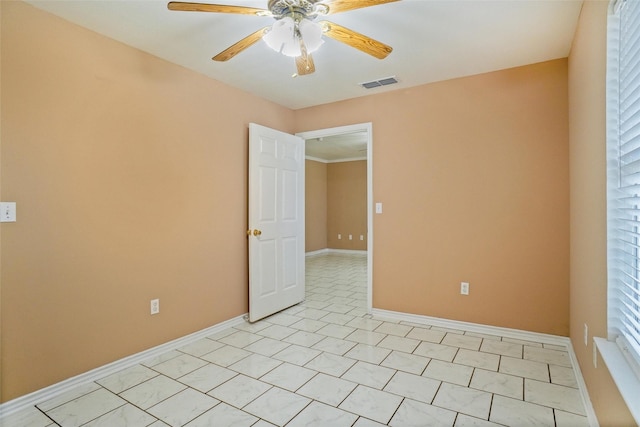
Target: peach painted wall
130, 176
336, 202
316, 206
473, 174
347, 205
587, 129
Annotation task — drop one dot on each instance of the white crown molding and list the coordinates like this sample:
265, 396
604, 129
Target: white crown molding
351, 159
316, 159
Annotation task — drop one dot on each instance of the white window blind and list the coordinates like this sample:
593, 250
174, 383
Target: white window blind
623, 176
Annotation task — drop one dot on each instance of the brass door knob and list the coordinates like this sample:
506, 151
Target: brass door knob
257, 232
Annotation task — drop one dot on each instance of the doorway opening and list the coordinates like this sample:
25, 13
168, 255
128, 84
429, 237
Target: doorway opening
347, 232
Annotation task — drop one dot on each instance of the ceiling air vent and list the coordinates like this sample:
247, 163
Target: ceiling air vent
377, 83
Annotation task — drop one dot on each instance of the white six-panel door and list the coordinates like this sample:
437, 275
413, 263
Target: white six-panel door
276, 221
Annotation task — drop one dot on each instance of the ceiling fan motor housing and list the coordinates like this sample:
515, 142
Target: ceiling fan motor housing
297, 8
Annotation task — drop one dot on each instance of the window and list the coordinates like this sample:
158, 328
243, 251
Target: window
623, 188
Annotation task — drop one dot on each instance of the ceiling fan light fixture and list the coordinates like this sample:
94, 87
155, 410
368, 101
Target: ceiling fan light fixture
283, 37
311, 32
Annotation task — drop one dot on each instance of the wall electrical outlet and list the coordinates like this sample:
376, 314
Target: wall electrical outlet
586, 335
155, 306
339, 236
350, 236
8, 212
464, 288
362, 237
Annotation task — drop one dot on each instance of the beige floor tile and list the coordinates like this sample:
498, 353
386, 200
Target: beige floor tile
239, 391
477, 359
449, 372
372, 404
524, 368
85, 408
413, 387
512, 412
289, 377
502, 348
495, 382
405, 362
462, 341
436, 351
327, 389
555, 396
319, 414
369, 374
463, 399
416, 414
183, 407
277, 406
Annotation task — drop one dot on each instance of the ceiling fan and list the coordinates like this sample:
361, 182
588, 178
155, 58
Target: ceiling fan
297, 31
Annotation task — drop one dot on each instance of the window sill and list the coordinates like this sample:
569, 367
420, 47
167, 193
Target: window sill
622, 374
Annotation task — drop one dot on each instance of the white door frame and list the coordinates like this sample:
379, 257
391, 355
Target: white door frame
362, 127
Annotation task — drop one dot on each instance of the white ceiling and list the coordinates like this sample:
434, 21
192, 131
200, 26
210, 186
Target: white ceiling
432, 40
346, 146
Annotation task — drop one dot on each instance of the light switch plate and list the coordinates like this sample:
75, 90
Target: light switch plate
7, 211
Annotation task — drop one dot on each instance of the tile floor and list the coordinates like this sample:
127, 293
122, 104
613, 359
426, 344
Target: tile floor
326, 362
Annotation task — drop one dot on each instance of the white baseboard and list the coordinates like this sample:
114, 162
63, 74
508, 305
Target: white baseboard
23, 402
318, 252
347, 251
474, 327
336, 251
503, 332
42, 395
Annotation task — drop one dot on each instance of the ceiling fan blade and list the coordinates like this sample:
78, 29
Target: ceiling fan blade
217, 8
239, 46
337, 6
357, 40
305, 66
304, 62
